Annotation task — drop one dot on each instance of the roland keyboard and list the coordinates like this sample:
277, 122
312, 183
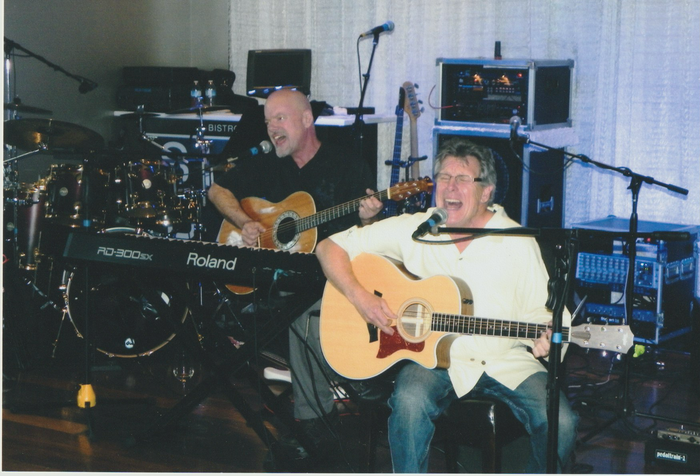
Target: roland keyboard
252, 267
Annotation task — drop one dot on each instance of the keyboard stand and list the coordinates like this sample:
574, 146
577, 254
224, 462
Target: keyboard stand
222, 372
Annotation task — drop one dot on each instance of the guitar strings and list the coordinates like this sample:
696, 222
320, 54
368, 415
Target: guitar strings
481, 325
310, 221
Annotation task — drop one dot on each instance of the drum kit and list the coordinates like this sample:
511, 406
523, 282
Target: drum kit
138, 191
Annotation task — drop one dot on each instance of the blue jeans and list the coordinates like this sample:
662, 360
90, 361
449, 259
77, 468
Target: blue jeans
421, 395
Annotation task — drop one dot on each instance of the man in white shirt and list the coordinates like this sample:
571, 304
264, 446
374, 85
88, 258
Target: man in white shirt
508, 280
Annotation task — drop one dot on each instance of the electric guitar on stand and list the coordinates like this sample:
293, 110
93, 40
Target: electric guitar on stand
390, 209
409, 104
420, 202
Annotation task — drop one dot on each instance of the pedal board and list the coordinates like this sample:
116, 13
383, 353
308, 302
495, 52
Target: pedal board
674, 448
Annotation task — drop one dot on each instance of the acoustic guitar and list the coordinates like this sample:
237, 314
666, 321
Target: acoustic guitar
290, 225
432, 313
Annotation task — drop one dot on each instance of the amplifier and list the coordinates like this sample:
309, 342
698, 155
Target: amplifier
664, 278
492, 91
160, 75
164, 88
154, 98
674, 449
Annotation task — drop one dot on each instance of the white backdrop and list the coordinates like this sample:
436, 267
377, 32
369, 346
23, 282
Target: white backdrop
636, 92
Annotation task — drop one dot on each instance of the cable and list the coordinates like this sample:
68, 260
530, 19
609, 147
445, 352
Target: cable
309, 353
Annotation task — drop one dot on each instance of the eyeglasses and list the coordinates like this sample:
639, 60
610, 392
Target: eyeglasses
460, 179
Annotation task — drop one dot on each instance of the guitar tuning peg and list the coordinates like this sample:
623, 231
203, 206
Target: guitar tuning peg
415, 85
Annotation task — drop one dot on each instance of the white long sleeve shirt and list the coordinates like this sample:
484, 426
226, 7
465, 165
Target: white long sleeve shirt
506, 275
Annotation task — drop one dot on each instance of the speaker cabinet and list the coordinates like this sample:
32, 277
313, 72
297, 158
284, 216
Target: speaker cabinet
530, 184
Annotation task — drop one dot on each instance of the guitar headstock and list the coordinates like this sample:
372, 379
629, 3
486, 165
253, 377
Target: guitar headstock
404, 190
411, 105
603, 337
402, 100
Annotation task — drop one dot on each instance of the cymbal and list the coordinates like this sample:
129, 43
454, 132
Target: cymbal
139, 115
17, 105
199, 108
33, 134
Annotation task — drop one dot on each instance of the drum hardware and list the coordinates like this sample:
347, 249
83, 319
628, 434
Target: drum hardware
21, 156
16, 105
201, 143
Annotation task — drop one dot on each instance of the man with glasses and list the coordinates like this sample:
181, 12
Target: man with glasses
508, 280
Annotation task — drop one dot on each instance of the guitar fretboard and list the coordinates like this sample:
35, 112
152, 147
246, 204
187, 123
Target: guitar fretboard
312, 221
455, 323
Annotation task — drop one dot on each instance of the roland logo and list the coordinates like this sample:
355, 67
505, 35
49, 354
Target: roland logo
671, 456
194, 259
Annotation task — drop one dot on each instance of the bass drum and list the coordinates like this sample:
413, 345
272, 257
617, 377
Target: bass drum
132, 313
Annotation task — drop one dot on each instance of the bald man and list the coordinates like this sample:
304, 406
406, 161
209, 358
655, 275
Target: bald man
331, 175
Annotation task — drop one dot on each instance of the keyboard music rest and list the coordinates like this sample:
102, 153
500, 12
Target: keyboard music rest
238, 266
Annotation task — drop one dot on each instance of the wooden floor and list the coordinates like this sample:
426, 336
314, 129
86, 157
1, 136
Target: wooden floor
44, 430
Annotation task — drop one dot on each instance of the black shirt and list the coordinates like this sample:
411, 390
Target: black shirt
332, 177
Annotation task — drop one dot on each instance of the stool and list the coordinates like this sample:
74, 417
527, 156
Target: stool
485, 423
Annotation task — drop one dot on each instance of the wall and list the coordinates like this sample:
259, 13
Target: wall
636, 79
95, 39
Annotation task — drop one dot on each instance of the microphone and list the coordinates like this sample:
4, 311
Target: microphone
86, 86
388, 26
438, 217
264, 147
514, 125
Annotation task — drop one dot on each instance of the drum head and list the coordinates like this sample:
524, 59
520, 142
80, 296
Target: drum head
132, 313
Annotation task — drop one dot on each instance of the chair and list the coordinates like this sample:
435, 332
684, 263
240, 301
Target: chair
485, 423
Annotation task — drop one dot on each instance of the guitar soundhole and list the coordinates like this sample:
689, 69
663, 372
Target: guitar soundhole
414, 322
286, 235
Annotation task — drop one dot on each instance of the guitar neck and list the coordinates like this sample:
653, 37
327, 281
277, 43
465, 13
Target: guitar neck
391, 207
395, 167
481, 326
415, 167
312, 221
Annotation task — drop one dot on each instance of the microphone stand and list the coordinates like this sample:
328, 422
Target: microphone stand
86, 85
559, 286
359, 124
636, 181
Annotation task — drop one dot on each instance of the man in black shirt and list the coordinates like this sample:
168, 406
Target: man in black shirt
300, 163
331, 176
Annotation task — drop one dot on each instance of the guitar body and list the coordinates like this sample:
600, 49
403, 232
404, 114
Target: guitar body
425, 329
277, 218
357, 350
290, 225
280, 219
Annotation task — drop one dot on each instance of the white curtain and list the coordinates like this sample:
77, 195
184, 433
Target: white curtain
636, 92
